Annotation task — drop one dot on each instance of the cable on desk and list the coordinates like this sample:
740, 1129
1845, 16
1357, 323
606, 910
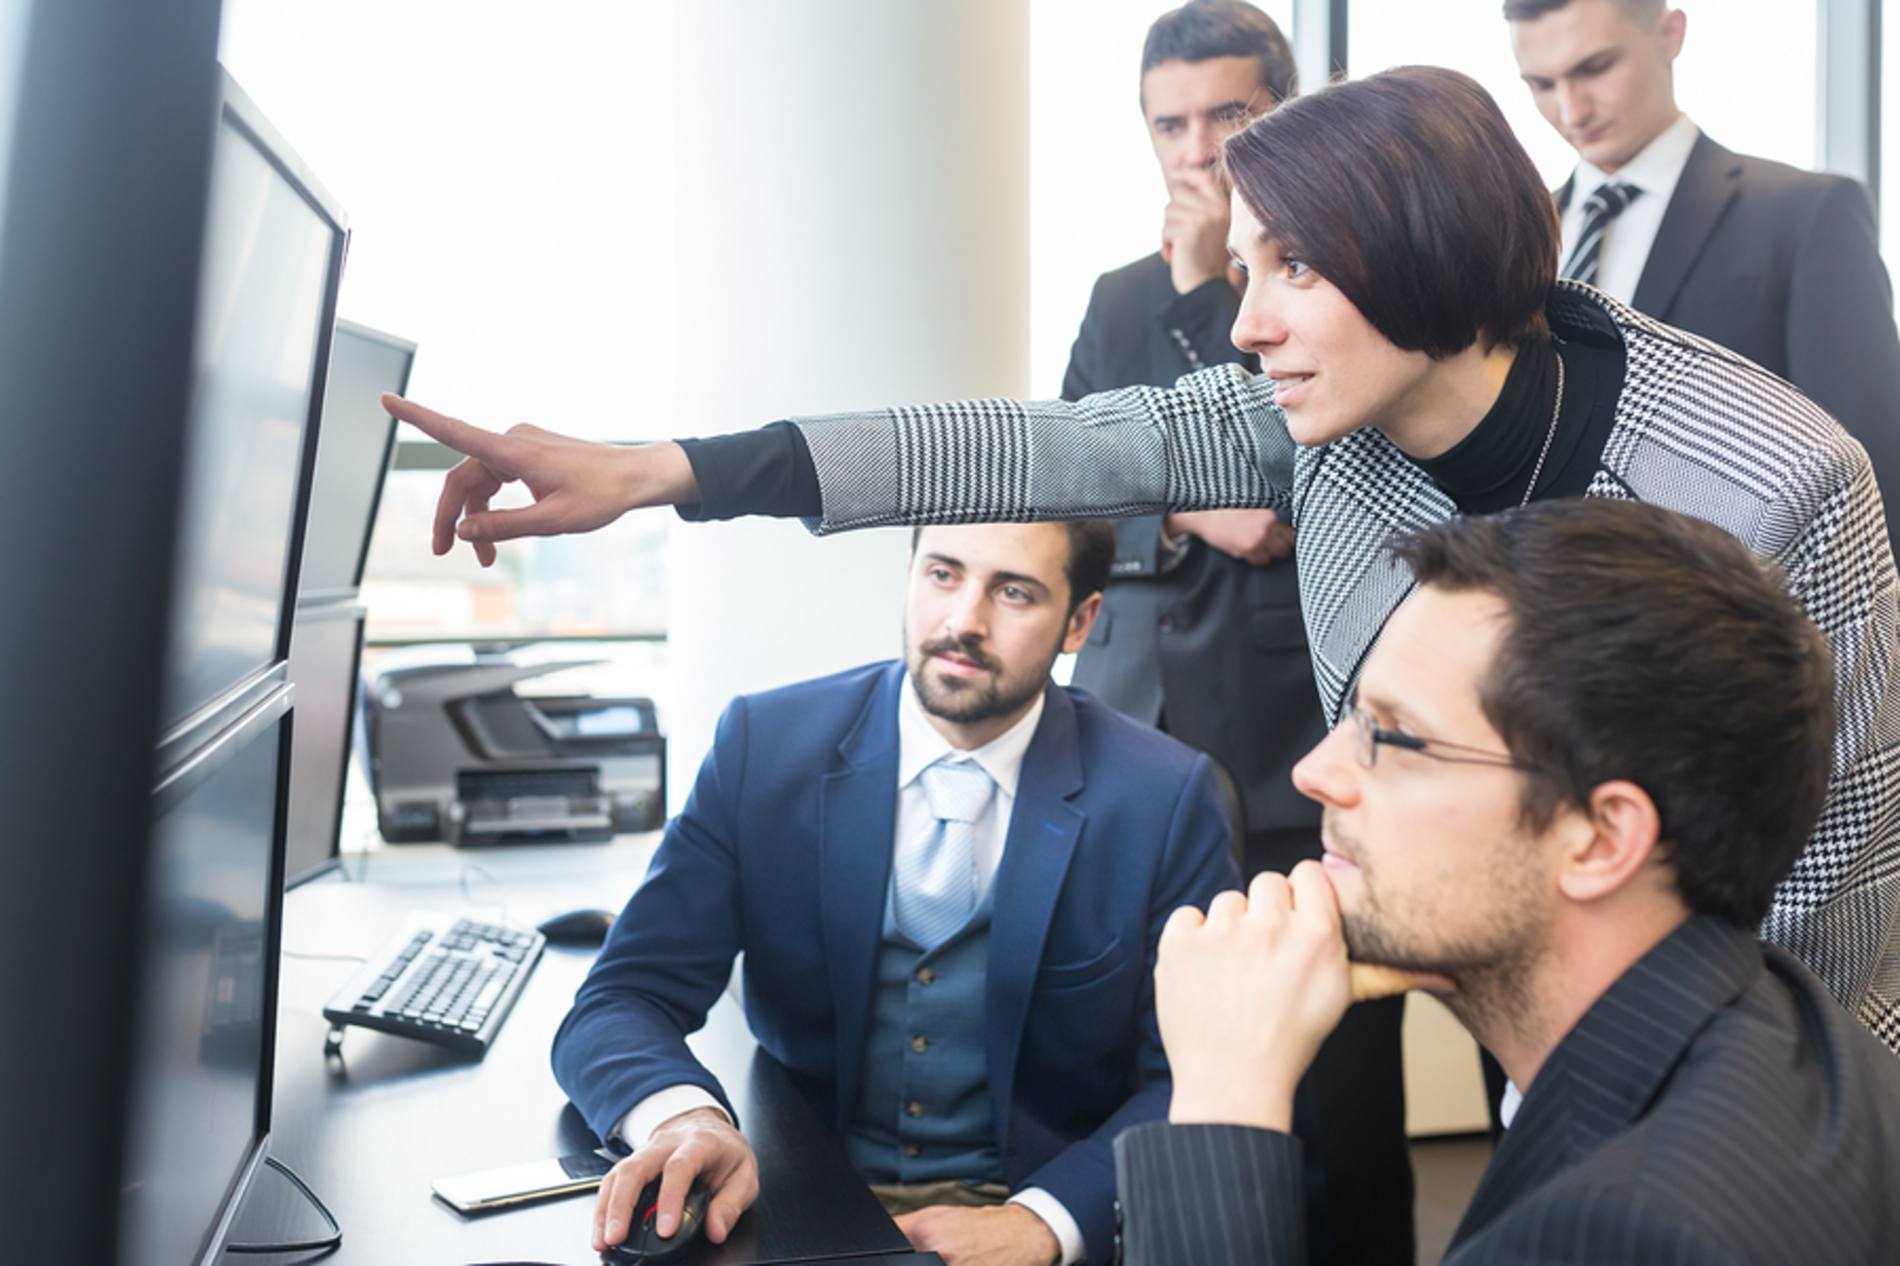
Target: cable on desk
332, 1240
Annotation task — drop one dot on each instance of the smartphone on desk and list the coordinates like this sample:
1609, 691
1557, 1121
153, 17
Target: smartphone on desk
514, 1185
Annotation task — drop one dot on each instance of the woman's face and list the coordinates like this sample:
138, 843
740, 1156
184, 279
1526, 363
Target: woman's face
1334, 372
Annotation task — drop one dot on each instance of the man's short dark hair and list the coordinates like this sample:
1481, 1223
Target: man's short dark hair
1643, 11
1651, 647
1408, 191
1204, 29
1091, 557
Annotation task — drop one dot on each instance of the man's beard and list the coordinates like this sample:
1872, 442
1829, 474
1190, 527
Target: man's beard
1493, 969
966, 702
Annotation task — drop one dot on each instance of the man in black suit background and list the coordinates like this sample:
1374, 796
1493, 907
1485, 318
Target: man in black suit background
1573, 770
1200, 631
1778, 264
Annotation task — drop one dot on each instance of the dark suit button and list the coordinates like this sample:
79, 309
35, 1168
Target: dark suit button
912, 1150
913, 1109
925, 976
1167, 623
920, 1044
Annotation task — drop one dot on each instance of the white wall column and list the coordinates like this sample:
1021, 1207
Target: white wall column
853, 192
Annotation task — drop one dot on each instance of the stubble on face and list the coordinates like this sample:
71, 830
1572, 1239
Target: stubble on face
967, 701
1493, 958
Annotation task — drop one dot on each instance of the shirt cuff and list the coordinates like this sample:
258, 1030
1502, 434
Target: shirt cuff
1050, 1210
660, 1107
768, 471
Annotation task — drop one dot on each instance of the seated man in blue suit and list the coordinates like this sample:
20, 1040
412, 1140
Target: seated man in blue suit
948, 877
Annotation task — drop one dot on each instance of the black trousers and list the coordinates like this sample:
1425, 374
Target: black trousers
1358, 1080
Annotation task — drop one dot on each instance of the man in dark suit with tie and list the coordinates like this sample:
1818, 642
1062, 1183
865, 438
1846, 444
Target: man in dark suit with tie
948, 877
1572, 772
1200, 631
1778, 264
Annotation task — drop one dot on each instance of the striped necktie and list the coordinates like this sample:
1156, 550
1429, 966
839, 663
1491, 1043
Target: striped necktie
1598, 210
935, 877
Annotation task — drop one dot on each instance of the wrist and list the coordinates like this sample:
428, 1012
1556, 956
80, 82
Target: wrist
1262, 1103
658, 474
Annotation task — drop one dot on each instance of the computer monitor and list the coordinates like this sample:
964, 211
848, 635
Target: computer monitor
204, 1029
273, 257
354, 448
326, 647
205, 1016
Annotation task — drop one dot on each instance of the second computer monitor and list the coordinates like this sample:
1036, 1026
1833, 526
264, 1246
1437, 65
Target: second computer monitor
325, 647
354, 446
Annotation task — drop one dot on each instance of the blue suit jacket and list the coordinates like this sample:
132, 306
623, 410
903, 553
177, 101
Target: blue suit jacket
784, 850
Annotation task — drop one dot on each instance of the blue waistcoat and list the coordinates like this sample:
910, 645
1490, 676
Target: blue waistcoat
923, 1108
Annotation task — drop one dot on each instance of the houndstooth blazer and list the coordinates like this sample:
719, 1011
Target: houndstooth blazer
1698, 429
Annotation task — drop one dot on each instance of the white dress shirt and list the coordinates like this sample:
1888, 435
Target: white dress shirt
1626, 242
919, 745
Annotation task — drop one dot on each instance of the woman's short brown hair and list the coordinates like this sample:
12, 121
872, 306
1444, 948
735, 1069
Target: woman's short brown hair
1408, 192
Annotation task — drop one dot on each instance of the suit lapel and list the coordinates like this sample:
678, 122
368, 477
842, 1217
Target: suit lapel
1607, 1072
858, 813
1711, 180
1043, 830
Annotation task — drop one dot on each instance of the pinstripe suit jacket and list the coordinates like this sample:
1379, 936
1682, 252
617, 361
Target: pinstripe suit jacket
1714, 1106
1698, 429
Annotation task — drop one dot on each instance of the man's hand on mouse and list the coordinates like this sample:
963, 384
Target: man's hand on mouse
998, 1235
1245, 994
577, 485
701, 1144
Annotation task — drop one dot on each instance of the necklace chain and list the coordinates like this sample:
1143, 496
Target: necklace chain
1556, 410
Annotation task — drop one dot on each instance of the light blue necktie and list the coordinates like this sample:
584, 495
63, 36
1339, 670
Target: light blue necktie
936, 875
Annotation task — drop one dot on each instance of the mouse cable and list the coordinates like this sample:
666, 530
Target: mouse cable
332, 1240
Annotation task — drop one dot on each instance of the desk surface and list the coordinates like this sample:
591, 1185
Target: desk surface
370, 1131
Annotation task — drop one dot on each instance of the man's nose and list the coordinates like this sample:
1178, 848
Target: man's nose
1330, 772
1573, 105
969, 614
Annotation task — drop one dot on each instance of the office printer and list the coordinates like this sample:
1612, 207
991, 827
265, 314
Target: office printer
457, 755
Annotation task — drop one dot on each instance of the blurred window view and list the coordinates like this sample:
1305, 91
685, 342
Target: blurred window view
606, 584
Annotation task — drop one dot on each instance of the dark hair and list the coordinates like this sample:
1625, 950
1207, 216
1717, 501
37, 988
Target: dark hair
1530, 10
1408, 192
1091, 556
1205, 29
1649, 646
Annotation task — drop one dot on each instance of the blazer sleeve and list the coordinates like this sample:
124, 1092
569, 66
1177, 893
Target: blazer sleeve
1215, 440
1197, 863
1843, 351
668, 957
1214, 1195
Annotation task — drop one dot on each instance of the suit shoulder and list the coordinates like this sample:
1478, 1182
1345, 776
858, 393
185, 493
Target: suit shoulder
844, 693
1106, 734
1146, 276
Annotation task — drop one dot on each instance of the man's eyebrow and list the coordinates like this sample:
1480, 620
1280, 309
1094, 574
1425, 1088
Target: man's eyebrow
933, 556
1016, 578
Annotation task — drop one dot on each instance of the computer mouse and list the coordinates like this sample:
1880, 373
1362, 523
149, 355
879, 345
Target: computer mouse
578, 927
644, 1245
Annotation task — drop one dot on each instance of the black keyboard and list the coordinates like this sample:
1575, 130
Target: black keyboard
441, 979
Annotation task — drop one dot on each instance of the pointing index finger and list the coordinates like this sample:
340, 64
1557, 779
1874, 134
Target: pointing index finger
470, 441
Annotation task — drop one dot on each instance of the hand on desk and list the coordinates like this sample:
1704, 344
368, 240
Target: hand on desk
577, 485
700, 1144
1245, 995
1258, 537
1000, 1235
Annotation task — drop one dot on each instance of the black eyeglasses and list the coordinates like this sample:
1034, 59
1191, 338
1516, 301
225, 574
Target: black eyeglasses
1367, 736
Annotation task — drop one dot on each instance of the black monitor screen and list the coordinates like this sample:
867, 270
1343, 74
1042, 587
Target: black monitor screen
324, 650
206, 1014
354, 446
273, 252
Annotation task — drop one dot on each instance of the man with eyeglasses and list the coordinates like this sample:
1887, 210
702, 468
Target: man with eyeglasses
1573, 770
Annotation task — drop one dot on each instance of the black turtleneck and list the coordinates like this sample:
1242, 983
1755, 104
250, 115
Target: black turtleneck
1490, 468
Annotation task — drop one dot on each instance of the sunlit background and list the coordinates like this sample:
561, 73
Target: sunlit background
510, 176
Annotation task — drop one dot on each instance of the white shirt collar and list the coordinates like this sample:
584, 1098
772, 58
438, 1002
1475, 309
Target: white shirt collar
1655, 169
919, 744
